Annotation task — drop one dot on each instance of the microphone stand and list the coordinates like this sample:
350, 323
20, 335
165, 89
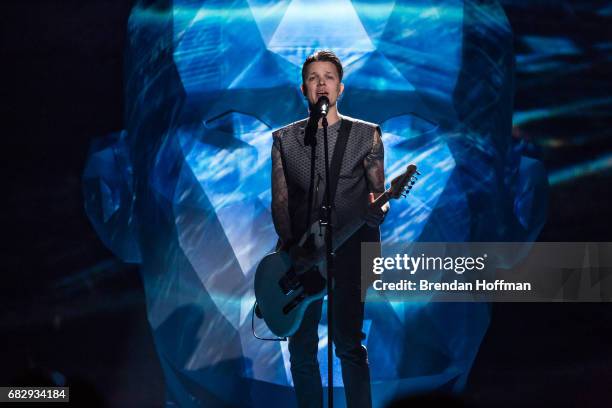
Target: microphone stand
325, 221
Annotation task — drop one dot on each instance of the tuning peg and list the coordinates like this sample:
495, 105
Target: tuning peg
417, 172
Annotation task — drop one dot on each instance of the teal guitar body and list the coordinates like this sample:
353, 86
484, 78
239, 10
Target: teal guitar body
283, 295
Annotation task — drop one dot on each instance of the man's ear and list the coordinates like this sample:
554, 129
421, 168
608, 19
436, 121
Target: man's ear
303, 89
341, 88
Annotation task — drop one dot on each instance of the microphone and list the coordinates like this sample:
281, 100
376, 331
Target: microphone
322, 106
319, 110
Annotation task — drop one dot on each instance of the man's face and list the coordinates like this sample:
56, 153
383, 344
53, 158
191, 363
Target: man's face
322, 79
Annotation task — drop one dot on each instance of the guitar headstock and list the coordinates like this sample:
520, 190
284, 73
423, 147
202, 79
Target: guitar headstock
402, 184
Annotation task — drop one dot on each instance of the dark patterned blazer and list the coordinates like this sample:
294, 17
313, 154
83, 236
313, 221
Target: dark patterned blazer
354, 183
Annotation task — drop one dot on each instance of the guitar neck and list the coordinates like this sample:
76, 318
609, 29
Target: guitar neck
340, 237
350, 229
381, 200
398, 186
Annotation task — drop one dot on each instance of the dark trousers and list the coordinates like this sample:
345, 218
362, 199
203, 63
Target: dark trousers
348, 310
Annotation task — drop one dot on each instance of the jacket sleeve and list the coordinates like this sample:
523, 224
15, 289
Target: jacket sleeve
374, 164
280, 196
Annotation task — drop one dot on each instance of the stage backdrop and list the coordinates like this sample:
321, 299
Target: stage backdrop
184, 189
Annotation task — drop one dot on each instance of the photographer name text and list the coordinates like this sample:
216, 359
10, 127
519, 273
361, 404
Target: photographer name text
454, 286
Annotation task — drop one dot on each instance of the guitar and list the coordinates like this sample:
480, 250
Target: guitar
284, 291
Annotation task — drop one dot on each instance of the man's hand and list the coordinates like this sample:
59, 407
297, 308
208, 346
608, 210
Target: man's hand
301, 257
375, 215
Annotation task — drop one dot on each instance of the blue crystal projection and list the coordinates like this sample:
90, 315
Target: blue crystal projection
185, 188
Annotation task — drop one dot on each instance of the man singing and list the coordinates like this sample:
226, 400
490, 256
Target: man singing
295, 204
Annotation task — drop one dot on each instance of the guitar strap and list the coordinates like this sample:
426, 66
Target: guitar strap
336, 162
334, 167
